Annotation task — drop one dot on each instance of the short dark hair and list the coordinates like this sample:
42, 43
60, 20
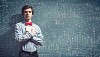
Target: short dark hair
26, 7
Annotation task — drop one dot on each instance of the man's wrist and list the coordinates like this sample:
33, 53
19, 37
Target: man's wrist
33, 36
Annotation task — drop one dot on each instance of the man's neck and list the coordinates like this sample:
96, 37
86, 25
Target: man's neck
28, 20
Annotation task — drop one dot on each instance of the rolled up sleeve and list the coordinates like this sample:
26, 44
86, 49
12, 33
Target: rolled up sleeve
19, 36
38, 39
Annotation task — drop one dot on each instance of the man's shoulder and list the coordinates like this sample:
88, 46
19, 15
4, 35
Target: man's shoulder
35, 25
20, 23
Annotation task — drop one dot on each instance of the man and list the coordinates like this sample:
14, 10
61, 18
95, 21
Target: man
28, 34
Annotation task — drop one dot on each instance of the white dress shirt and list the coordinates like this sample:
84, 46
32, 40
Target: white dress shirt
28, 41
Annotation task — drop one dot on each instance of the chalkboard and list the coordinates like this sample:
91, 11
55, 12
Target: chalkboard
71, 28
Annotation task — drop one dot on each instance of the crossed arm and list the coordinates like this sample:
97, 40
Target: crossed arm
25, 37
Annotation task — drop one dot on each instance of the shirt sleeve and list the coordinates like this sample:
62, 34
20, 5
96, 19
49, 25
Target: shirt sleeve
38, 39
19, 36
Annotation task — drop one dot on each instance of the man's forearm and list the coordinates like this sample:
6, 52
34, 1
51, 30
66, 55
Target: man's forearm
36, 41
24, 41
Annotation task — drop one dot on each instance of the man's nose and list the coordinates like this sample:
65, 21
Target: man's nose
27, 12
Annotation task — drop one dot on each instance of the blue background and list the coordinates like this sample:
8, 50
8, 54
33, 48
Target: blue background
71, 28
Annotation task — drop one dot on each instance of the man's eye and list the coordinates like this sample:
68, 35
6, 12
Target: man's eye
25, 11
30, 11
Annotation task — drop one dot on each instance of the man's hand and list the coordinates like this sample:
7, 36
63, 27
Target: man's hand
31, 30
28, 28
34, 31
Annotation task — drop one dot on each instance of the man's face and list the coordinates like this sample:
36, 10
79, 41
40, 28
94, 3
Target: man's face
27, 14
